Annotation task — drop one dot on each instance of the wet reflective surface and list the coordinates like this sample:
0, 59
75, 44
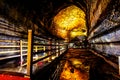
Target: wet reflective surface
81, 64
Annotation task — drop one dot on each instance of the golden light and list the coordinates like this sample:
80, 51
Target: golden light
61, 33
78, 32
76, 75
71, 22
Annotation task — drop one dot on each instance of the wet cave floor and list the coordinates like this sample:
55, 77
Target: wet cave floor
81, 64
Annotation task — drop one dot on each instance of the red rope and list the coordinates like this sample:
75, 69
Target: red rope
11, 77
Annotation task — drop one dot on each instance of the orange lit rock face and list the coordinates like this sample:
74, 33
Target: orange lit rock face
70, 22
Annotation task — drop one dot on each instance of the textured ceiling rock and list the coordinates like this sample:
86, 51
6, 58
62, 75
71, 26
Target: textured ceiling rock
69, 23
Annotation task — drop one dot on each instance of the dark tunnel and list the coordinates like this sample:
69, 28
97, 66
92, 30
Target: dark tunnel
59, 39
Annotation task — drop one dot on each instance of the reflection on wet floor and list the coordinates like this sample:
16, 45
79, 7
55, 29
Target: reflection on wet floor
81, 64
72, 73
74, 69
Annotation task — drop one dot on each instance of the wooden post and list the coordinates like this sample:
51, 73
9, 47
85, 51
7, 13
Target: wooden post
36, 48
58, 48
50, 42
21, 54
29, 53
119, 64
55, 43
44, 50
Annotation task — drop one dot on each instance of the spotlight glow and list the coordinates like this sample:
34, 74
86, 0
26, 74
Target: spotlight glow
72, 21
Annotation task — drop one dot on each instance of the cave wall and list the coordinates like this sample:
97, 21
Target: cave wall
104, 36
16, 17
97, 7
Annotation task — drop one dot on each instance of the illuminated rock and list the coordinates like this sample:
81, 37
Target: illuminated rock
70, 22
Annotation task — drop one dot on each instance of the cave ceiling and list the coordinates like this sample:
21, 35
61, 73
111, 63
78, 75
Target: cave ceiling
65, 19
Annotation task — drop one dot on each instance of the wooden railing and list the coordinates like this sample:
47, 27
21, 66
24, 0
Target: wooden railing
50, 49
31, 51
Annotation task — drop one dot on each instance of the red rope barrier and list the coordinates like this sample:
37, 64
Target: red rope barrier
11, 77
